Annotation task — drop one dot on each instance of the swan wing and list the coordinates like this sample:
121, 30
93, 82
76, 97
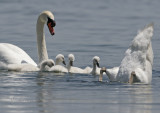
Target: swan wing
87, 70
22, 67
11, 54
112, 73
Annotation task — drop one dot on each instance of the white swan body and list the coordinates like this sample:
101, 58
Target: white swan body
112, 73
138, 58
71, 68
19, 67
58, 68
25, 67
13, 57
11, 54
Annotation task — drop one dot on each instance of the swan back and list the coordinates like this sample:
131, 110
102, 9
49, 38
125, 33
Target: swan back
11, 54
112, 73
142, 41
139, 57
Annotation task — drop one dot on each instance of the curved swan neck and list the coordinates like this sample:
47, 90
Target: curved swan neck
41, 43
57, 61
70, 65
94, 68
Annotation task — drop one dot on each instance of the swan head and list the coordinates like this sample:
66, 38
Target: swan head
71, 59
60, 59
103, 69
48, 18
96, 60
46, 65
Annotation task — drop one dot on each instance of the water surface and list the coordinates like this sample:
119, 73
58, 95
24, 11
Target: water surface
85, 28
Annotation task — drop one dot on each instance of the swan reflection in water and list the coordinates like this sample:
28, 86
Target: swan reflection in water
54, 93
135, 99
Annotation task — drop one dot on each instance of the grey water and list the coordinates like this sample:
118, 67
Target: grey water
85, 28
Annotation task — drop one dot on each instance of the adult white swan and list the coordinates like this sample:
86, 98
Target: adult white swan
136, 66
11, 54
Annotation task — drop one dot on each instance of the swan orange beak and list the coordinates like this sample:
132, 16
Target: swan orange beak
50, 27
51, 24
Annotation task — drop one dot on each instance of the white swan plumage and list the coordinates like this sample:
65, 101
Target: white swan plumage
95, 70
136, 66
111, 73
24, 67
71, 68
58, 68
46, 65
138, 60
12, 56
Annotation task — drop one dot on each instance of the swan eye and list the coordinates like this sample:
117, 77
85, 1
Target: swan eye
51, 22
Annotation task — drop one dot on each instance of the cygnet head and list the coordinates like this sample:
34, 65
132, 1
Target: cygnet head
96, 60
46, 64
48, 18
103, 69
71, 59
60, 59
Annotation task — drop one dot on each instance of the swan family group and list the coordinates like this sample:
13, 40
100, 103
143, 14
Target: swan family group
136, 66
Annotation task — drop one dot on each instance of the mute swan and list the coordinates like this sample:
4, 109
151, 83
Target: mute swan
59, 68
11, 54
95, 70
71, 68
136, 66
137, 63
